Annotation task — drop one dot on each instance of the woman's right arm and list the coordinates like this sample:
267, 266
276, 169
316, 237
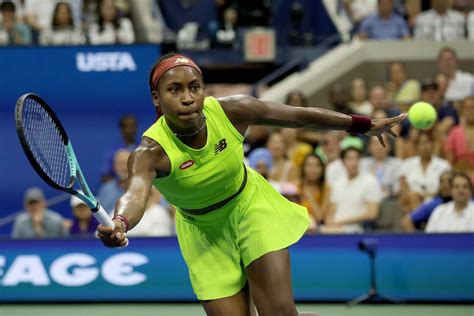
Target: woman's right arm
143, 166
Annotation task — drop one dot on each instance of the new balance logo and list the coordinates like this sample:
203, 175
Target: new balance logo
220, 146
181, 60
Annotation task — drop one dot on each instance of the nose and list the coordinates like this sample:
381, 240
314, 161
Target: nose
187, 99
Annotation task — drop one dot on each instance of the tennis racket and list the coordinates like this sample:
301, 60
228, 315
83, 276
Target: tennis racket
49, 150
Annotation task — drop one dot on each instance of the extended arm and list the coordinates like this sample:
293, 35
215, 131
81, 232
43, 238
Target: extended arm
244, 111
142, 167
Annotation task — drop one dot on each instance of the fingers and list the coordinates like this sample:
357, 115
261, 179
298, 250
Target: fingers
392, 133
380, 138
112, 237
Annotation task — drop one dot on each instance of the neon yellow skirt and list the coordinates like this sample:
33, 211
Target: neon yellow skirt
219, 245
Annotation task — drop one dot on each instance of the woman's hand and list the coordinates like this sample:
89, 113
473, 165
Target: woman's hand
113, 237
382, 126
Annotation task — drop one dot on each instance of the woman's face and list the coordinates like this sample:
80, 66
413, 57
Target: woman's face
276, 145
397, 73
63, 17
180, 95
312, 169
108, 10
425, 146
359, 90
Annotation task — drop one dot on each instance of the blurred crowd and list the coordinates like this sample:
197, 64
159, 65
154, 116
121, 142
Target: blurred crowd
422, 180
76, 22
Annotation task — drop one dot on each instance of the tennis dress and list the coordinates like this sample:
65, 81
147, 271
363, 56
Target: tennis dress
253, 218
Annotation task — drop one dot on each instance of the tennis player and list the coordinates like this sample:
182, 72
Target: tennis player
233, 228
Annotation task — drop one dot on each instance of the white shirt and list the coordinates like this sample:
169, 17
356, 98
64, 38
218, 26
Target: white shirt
446, 220
470, 25
44, 10
335, 170
387, 174
365, 108
460, 87
432, 26
352, 196
424, 182
63, 37
156, 221
123, 35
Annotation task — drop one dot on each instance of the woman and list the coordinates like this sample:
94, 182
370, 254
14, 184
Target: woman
110, 28
315, 192
402, 91
359, 103
62, 30
232, 226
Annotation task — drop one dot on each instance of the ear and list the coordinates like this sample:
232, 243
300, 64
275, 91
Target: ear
156, 99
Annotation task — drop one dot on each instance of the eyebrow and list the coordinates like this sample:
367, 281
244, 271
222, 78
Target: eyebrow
180, 83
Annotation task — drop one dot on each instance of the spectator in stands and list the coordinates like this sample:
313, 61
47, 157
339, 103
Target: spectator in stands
378, 98
39, 13
83, 223
296, 150
255, 137
354, 199
335, 169
111, 191
442, 82
315, 192
261, 160
110, 28
401, 90
470, 26
384, 168
128, 130
460, 84
420, 174
338, 99
283, 172
447, 113
418, 218
458, 215
12, 32
62, 30
359, 103
459, 145
38, 221
440, 23
297, 98
385, 25
157, 220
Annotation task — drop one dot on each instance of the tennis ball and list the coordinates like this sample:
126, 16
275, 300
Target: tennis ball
422, 115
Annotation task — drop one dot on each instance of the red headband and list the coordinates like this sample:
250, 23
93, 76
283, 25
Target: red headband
167, 64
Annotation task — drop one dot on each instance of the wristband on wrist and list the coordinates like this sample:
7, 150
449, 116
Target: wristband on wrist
360, 124
123, 219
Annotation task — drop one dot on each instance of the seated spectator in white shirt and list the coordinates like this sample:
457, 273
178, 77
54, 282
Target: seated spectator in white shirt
456, 216
470, 25
359, 103
420, 174
62, 30
37, 221
460, 84
111, 28
156, 221
385, 24
384, 168
38, 13
440, 23
355, 199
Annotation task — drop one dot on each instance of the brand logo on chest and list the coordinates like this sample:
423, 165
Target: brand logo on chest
220, 146
186, 164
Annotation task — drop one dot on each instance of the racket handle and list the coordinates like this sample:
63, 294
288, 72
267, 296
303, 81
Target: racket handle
103, 217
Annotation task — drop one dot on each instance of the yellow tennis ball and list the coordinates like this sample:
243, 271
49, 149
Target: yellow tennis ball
422, 115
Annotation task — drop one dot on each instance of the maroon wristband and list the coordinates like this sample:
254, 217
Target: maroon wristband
360, 124
123, 219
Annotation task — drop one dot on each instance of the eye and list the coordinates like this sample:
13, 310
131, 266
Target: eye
195, 87
173, 89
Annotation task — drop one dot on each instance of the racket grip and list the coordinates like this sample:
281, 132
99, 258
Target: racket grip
103, 217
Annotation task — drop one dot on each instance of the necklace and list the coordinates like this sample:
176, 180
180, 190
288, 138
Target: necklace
195, 132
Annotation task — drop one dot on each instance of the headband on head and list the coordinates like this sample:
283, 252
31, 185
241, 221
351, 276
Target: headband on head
167, 64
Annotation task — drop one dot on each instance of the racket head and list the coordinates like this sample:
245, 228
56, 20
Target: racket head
45, 142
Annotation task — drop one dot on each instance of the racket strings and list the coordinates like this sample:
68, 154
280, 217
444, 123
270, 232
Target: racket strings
46, 143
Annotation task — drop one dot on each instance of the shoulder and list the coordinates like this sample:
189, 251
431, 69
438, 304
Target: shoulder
239, 106
442, 209
148, 148
441, 162
22, 218
125, 22
456, 15
149, 155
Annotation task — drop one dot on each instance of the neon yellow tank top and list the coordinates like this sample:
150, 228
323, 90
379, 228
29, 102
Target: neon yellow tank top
201, 177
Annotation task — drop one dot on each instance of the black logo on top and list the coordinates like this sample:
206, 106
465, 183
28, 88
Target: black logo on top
220, 146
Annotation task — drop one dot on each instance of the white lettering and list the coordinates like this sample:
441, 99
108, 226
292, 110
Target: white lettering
80, 271
118, 269
28, 269
110, 61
